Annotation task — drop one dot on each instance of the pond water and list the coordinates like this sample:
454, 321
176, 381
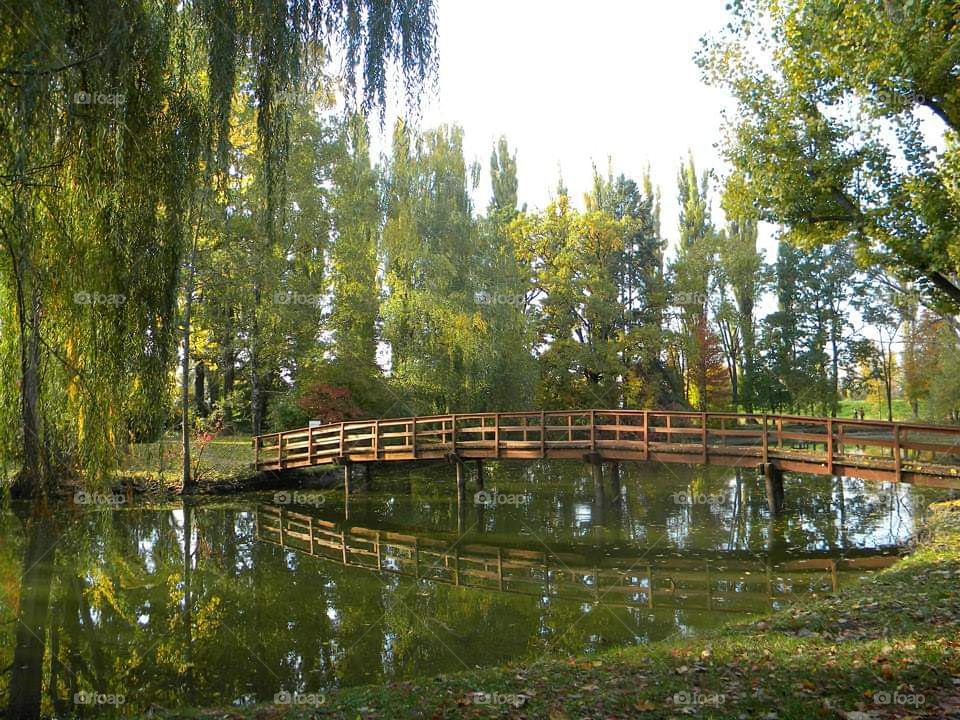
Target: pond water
120, 606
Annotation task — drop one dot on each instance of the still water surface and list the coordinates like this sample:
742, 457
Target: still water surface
233, 601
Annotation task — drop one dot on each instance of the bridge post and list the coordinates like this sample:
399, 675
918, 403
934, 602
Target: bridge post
765, 450
347, 476
646, 435
897, 455
461, 507
773, 479
543, 435
413, 438
479, 474
829, 448
703, 437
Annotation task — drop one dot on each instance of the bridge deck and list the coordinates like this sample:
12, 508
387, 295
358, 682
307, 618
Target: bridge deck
869, 449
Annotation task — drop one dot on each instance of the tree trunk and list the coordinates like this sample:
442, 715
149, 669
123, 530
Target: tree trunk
256, 404
256, 399
34, 475
186, 478
256, 416
214, 389
749, 343
888, 384
834, 371
33, 464
33, 479
199, 388
734, 385
227, 370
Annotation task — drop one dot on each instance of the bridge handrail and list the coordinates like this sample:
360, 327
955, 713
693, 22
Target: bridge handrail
774, 434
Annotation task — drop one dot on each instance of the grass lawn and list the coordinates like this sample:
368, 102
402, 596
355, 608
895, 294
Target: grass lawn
886, 647
228, 457
874, 411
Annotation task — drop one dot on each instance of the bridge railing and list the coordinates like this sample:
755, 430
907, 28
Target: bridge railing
840, 446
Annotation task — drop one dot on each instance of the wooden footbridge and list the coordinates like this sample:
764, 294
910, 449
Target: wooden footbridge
869, 449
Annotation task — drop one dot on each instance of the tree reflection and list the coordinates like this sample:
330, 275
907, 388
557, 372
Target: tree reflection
183, 604
33, 614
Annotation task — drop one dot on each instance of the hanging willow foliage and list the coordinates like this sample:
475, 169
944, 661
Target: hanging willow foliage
114, 119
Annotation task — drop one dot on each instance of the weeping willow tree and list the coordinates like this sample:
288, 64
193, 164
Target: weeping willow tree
114, 127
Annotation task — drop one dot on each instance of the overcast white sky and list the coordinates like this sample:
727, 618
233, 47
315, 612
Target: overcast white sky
571, 83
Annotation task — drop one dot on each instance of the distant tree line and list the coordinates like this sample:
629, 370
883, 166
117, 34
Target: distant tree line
392, 295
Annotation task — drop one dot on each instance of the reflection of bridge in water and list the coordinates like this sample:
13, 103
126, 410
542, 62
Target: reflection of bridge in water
723, 582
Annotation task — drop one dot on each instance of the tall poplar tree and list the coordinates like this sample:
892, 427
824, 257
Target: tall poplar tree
691, 273
432, 318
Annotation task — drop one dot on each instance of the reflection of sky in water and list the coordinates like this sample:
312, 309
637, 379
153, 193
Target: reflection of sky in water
583, 516
888, 515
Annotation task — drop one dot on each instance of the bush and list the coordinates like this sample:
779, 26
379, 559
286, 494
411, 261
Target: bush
329, 403
284, 413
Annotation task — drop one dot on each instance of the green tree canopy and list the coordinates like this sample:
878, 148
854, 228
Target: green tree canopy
840, 111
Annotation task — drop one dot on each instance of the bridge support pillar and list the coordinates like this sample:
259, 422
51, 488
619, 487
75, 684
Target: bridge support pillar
595, 461
347, 477
615, 479
479, 474
596, 468
461, 479
773, 478
368, 476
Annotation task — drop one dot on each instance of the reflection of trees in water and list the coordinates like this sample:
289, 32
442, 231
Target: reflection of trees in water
32, 617
823, 512
836, 513
183, 605
171, 607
